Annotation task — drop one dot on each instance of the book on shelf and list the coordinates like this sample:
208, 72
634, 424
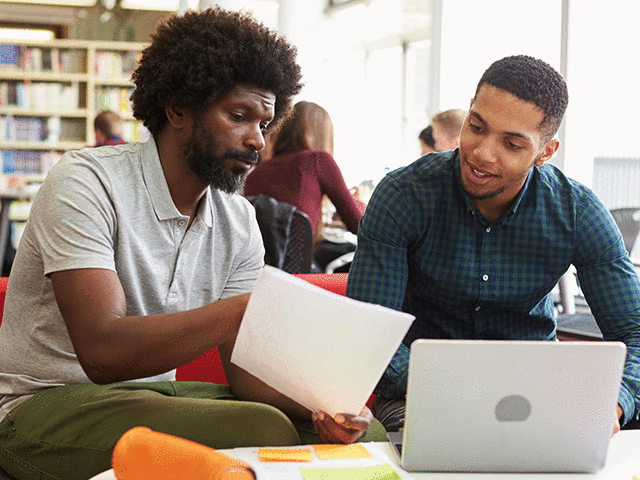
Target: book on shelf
114, 99
9, 56
72, 61
109, 64
45, 96
135, 131
23, 129
28, 162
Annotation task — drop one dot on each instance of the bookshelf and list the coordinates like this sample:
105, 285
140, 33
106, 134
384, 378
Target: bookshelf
50, 92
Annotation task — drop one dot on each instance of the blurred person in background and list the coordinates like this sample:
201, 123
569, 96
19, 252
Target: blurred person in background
108, 128
427, 143
301, 171
446, 129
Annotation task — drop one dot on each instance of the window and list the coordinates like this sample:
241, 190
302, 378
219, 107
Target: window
26, 33
373, 80
602, 75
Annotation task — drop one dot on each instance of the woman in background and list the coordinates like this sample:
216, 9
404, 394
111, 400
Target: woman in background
302, 170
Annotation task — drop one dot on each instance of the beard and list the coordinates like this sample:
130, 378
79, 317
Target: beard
213, 169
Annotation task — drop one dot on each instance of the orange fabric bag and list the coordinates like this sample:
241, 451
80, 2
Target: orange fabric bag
143, 454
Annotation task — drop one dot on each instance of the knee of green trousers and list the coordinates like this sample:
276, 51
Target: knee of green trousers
62, 434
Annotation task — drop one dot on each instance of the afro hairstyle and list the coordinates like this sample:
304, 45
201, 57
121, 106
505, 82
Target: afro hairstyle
531, 80
196, 57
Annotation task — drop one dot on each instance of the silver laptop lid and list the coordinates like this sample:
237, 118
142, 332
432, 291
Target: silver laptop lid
475, 405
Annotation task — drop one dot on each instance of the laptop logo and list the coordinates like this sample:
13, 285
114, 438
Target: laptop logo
513, 408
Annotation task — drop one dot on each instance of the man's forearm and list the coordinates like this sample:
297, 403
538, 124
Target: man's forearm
249, 388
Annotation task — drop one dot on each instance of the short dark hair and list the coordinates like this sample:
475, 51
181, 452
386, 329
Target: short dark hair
426, 135
196, 57
109, 123
531, 80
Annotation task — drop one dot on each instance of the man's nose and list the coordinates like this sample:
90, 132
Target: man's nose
255, 139
486, 150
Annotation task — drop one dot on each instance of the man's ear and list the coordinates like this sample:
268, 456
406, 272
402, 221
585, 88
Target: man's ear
177, 116
548, 150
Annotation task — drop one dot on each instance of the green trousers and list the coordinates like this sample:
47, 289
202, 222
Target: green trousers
68, 433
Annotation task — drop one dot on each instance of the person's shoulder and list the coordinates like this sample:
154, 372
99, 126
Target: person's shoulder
431, 167
557, 183
110, 164
421, 182
107, 154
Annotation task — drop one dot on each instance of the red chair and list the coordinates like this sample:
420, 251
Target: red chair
3, 294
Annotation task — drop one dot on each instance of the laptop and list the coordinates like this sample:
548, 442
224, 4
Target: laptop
509, 406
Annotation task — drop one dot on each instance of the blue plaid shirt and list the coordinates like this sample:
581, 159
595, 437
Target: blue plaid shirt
423, 248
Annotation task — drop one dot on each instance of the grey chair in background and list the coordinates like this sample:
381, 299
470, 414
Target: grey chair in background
628, 221
299, 254
286, 233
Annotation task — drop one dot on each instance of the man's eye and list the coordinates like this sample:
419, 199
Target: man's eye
514, 146
237, 116
264, 127
475, 128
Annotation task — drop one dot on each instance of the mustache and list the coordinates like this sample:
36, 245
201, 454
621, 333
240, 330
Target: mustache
234, 153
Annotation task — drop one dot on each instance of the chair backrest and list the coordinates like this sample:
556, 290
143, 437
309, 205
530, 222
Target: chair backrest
286, 233
3, 294
628, 221
299, 253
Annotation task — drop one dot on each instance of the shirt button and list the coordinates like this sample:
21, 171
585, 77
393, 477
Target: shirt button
182, 223
478, 308
485, 277
488, 229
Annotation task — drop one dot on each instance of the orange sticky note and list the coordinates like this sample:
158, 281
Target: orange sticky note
330, 452
285, 454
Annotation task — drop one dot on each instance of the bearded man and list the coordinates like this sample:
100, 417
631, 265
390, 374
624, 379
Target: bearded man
139, 258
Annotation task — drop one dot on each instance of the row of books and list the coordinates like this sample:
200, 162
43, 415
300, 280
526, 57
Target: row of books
134, 131
114, 99
36, 59
52, 96
28, 162
30, 129
109, 64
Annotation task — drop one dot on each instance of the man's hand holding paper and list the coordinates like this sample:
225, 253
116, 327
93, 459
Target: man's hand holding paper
324, 351
344, 428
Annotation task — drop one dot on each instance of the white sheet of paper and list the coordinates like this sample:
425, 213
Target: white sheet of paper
325, 351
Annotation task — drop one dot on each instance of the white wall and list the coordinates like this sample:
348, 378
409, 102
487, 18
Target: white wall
603, 74
476, 33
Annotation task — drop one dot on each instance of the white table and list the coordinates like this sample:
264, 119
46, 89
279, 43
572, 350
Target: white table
623, 462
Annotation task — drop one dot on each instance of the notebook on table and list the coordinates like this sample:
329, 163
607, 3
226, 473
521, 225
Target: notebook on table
509, 406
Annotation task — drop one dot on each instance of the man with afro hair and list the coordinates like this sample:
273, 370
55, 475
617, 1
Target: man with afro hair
472, 241
139, 258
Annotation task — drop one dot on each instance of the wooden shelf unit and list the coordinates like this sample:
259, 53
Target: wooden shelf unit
50, 92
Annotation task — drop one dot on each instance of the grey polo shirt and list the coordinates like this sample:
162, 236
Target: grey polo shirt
111, 208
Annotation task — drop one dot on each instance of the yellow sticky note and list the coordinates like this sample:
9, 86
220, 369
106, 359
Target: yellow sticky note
378, 472
329, 452
285, 454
